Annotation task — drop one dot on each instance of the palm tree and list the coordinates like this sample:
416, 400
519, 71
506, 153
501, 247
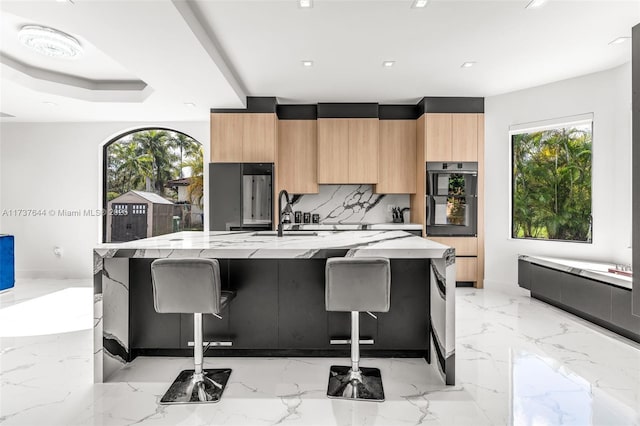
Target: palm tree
128, 168
195, 190
157, 144
188, 147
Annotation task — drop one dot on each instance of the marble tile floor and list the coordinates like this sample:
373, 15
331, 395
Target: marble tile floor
519, 361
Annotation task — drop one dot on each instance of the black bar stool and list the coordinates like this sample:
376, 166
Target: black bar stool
355, 284
191, 286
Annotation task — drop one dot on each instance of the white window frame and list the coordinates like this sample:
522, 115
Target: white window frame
536, 126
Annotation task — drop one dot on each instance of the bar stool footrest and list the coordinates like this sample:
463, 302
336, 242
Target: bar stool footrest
365, 385
187, 389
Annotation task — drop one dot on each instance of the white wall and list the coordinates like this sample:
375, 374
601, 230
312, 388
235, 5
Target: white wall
55, 166
607, 95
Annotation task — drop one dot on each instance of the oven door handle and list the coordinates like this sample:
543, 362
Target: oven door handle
453, 172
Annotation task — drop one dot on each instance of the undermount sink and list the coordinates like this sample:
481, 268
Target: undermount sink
285, 233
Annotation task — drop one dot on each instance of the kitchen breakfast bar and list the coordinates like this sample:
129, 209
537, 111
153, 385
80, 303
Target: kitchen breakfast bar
279, 306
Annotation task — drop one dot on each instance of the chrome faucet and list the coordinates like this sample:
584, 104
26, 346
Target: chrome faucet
287, 209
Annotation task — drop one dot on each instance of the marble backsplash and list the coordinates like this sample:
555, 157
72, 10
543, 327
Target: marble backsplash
350, 203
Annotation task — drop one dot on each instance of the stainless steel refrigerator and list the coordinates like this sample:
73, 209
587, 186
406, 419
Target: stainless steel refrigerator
240, 196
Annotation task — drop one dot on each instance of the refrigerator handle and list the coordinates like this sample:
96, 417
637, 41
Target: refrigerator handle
427, 200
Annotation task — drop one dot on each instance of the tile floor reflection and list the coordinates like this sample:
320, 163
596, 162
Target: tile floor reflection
519, 361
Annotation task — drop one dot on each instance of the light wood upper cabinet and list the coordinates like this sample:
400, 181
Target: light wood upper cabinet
226, 137
363, 150
297, 156
243, 137
347, 150
259, 138
464, 138
438, 133
452, 137
397, 157
333, 150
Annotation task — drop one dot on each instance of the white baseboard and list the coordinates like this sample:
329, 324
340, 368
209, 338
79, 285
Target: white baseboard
503, 286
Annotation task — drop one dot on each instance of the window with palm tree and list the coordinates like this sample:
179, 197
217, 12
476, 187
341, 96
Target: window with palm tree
551, 198
153, 184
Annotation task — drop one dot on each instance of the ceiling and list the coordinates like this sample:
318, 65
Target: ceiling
144, 60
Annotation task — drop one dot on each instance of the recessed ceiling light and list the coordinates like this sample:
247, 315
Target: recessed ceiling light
49, 103
190, 104
65, 1
620, 40
467, 64
533, 4
50, 42
388, 64
420, 3
305, 3
307, 63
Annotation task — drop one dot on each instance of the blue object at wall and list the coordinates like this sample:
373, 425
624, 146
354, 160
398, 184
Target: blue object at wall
7, 266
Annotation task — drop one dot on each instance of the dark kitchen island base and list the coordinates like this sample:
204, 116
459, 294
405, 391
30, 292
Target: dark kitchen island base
279, 311
279, 308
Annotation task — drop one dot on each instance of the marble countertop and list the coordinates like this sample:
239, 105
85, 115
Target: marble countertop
390, 226
594, 270
244, 245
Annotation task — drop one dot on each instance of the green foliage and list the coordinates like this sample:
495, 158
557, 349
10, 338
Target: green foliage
196, 187
456, 206
111, 195
157, 145
148, 159
187, 146
552, 184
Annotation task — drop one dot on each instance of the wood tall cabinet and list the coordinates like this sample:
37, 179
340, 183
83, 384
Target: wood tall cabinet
243, 137
297, 156
417, 200
347, 150
453, 137
397, 157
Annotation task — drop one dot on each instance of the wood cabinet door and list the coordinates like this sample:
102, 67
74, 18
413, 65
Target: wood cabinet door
397, 157
465, 246
438, 143
259, 138
363, 150
298, 156
333, 150
466, 269
464, 140
226, 137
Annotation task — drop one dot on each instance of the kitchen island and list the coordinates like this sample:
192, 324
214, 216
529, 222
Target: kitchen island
279, 306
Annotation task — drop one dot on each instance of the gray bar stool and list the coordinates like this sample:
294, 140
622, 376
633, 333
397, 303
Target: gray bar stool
191, 286
355, 284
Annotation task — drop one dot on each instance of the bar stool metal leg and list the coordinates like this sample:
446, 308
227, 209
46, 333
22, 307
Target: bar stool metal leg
356, 383
197, 385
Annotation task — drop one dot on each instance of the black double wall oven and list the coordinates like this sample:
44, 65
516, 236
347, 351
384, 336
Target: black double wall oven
452, 198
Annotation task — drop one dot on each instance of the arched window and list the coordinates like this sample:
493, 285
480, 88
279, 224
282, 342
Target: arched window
152, 184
